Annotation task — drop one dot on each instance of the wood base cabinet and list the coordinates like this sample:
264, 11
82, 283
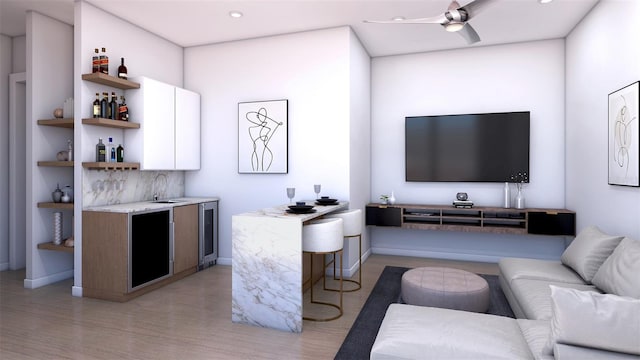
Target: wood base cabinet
185, 220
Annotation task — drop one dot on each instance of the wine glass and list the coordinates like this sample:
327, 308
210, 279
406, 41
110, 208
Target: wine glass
291, 193
316, 189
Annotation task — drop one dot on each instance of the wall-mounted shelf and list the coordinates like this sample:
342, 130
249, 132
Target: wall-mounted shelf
477, 219
52, 205
119, 124
63, 123
54, 247
111, 165
56, 163
109, 80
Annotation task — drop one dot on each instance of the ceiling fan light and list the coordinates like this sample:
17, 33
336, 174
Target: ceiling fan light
454, 26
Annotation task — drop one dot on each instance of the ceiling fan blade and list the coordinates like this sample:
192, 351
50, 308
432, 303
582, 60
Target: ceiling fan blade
475, 7
469, 34
440, 19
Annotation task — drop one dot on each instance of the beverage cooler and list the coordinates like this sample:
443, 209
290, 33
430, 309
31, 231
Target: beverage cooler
208, 234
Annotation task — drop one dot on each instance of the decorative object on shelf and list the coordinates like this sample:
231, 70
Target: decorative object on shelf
67, 108
122, 70
384, 199
624, 136
95, 61
58, 113
104, 62
507, 196
519, 197
62, 155
68, 191
69, 150
101, 151
392, 198
262, 137
462, 196
57, 228
520, 179
56, 195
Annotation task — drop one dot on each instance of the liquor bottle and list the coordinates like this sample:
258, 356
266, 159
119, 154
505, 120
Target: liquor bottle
104, 106
95, 62
111, 151
123, 110
100, 151
120, 153
113, 107
104, 62
96, 106
122, 70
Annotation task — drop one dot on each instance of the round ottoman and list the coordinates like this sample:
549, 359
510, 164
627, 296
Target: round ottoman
445, 288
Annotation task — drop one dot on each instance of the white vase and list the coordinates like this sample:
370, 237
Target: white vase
507, 196
519, 199
392, 199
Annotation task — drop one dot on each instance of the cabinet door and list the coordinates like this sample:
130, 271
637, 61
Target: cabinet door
185, 220
187, 129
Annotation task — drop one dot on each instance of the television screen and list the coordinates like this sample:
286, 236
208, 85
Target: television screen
489, 147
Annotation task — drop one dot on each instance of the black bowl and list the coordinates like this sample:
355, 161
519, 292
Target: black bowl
300, 207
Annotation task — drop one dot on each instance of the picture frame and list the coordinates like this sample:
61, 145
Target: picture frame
263, 137
624, 136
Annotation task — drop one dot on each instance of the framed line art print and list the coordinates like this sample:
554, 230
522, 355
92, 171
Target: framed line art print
624, 136
263, 137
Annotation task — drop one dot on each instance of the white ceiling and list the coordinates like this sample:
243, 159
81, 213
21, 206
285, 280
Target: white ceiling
197, 22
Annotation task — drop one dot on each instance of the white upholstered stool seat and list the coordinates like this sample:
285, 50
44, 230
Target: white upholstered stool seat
324, 236
352, 227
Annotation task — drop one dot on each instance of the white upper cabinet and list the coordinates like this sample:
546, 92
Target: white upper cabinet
169, 134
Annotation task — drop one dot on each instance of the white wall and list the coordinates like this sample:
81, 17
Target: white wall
19, 53
515, 77
5, 70
49, 54
602, 57
312, 71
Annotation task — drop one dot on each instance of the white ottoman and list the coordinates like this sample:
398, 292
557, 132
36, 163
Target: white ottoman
445, 288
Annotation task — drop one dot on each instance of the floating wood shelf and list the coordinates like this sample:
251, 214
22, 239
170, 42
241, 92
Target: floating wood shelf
109, 80
54, 247
111, 165
56, 163
111, 123
63, 123
52, 205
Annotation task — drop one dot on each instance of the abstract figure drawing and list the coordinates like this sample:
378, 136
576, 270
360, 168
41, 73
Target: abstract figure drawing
261, 132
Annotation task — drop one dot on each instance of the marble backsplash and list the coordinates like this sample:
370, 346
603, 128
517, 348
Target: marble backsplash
125, 186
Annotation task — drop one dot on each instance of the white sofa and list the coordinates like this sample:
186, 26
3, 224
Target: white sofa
586, 306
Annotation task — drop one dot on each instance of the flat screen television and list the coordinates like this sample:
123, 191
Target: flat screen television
490, 147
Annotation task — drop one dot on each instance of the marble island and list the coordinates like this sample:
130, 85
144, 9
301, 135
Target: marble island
267, 266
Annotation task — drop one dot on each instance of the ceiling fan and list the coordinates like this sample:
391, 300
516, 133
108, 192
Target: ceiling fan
455, 19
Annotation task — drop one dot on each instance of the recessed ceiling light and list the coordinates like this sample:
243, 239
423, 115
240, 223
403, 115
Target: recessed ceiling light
398, 18
235, 14
544, 1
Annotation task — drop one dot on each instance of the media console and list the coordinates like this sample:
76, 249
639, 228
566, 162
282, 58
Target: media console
477, 219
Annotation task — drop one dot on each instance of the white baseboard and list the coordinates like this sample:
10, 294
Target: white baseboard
46, 280
223, 261
4, 266
76, 291
353, 269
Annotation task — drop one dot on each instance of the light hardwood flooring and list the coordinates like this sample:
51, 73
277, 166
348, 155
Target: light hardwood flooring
189, 319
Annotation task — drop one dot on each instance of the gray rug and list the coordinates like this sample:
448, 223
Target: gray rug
359, 340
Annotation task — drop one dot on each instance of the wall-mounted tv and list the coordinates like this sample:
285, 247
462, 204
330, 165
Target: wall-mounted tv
490, 147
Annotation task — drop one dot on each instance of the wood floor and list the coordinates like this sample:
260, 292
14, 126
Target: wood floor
189, 319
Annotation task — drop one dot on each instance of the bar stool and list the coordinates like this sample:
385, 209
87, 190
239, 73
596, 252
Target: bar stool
352, 227
323, 236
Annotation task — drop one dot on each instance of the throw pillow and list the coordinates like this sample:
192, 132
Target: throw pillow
588, 251
620, 273
588, 319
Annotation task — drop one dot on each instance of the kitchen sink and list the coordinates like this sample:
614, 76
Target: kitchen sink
167, 201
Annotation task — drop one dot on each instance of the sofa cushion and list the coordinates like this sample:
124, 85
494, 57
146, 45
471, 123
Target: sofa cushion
414, 332
588, 251
536, 333
570, 352
534, 296
518, 268
601, 321
620, 273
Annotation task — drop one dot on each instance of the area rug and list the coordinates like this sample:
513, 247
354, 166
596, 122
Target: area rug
357, 345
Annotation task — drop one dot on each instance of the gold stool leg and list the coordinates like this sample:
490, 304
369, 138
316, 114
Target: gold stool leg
359, 281
339, 307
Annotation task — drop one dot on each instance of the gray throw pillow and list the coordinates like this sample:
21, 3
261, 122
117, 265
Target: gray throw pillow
620, 273
599, 321
588, 251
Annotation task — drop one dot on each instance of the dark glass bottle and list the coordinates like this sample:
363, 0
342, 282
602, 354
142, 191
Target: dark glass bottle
101, 151
104, 62
95, 62
120, 153
123, 110
113, 107
104, 106
96, 106
122, 70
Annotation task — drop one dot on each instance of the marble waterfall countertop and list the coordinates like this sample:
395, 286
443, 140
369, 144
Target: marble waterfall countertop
266, 286
149, 205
